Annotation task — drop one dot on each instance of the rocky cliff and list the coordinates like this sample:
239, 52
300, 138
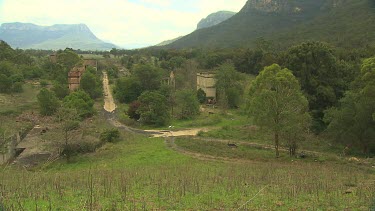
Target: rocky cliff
214, 19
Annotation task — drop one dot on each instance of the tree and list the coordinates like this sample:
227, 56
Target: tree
229, 85
69, 122
353, 123
48, 102
127, 90
187, 103
81, 102
148, 76
68, 58
153, 109
323, 79
60, 90
276, 102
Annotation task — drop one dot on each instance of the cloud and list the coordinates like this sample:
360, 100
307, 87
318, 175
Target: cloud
123, 22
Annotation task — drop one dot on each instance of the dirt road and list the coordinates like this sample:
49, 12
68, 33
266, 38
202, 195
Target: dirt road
109, 104
177, 133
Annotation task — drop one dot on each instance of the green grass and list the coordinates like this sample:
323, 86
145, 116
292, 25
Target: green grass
219, 149
142, 173
17, 102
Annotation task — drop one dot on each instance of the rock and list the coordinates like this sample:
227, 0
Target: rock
354, 159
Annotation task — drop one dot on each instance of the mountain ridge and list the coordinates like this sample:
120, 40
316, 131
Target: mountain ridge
54, 37
280, 21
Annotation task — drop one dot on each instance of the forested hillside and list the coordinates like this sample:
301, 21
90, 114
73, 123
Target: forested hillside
345, 23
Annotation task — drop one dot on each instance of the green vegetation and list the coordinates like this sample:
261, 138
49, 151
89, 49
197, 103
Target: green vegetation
323, 78
81, 102
153, 109
352, 122
229, 86
188, 105
91, 83
48, 102
110, 135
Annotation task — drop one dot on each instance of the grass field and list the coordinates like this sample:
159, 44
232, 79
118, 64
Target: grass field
13, 105
140, 173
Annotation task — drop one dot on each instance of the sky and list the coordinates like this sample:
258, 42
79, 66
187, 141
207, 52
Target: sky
126, 23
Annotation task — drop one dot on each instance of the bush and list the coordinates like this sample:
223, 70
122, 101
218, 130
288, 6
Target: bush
80, 101
132, 111
78, 148
110, 135
48, 102
201, 95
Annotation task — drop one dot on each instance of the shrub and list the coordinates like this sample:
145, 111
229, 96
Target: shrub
17, 87
110, 135
43, 83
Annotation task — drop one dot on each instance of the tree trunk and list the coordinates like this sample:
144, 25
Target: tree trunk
277, 144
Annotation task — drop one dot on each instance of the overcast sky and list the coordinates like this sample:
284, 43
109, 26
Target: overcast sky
126, 23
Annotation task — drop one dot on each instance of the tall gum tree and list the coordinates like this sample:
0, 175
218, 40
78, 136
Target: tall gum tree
277, 103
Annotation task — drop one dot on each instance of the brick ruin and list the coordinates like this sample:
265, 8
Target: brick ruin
75, 75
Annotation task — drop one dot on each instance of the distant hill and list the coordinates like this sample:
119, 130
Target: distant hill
214, 19
345, 23
28, 35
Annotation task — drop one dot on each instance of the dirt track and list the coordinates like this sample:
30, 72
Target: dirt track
109, 104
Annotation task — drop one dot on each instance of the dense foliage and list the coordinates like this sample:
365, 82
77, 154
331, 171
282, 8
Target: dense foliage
153, 108
229, 86
353, 121
323, 78
188, 104
81, 102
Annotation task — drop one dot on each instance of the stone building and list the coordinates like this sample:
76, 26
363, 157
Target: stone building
207, 81
53, 58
